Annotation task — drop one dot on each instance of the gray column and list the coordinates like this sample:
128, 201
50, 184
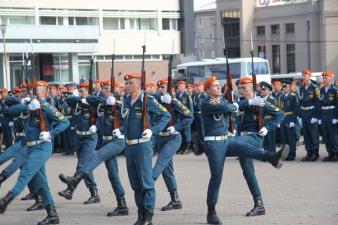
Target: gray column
73, 67
1, 71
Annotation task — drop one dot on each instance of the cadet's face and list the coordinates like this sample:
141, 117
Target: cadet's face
265, 91
327, 80
53, 92
41, 92
215, 89
83, 92
162, 89
278, 87
286, 88
106, 90
245, 90
181, 87
306, 79
133, 85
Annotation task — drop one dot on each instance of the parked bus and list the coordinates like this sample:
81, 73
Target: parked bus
239, 67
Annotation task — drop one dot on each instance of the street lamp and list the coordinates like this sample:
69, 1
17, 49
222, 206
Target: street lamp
3, 28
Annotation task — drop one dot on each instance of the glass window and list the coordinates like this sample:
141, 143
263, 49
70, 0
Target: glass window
275, 59
60, 20
81, 21
195, 71
165, 24
260, 68
21, 20
275, 29
122, 23
147, 24
220, 70
110, 23
290, 28
262, 51
71, 20
44, 20
290, 58
173, 24
128, 57
260, 30
134, 24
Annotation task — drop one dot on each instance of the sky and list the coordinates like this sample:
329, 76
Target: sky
205, 4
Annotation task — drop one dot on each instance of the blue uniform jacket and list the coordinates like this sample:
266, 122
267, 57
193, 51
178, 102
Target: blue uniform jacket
309, 97
329, 99
290, 108
81, 113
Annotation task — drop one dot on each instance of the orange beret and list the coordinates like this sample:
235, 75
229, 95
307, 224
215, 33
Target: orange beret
189, 85
4, 90
328, 74
84, 84
150, 85
306, 72
16, 90
23, 85
162, 82
181, 82
122, 89
132, 75
52, 88
209, 82
245, 80
41, 83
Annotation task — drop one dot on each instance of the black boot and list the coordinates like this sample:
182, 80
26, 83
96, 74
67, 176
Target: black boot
275, 158
334, 157
52, 216
258, 209
73, 181
38, 205
212, 217
94, 198
121, 209
175, 202
67, 194
314, 155
147, 218
5, 201
328, 158
29, 196
2, 178
307, 157
139, 217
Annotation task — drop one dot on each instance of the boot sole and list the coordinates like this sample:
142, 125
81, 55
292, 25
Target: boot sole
66, 197
94, 202
175, 207
118, 214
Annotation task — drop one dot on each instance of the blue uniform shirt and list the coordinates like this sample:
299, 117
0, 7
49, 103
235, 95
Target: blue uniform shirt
309, 98
329, 102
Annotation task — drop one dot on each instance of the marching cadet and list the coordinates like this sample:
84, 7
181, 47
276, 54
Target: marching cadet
113, 145
38, 140
69, 134
329, 116
215, 111
269, 142
183, 96
87, 141
288, 126
198, 98
138, 149
309, 112
169, 141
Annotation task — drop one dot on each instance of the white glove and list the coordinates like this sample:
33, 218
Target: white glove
171, 130
34, 105
263, 132
237, 106
292, 124
147, 134
278, 125
111, 100
93, 129
314, 120
334, 121
319, 122
117, 132
84, 101
10, 124
300, 122
232, 134
257, 101
45, 136
25, 100
166, 98
76, 92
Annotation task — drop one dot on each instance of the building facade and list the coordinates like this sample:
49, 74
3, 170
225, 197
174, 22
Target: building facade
293, 34
64, 35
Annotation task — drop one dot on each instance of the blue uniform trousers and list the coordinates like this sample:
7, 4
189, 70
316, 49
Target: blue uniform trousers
330, 136
33, 171
311, 138
139, 167
167, 147
108, 153
269, 142
86, 149
289, 137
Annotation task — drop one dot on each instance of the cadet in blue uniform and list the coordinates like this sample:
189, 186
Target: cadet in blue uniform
215, 114
197, 99
112, 146
309, 112
169, 141
329, 116
186, 99
6, 123
138, 147
269, 142
69, 134
87, 141
288, 126
39, 150
278, 95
